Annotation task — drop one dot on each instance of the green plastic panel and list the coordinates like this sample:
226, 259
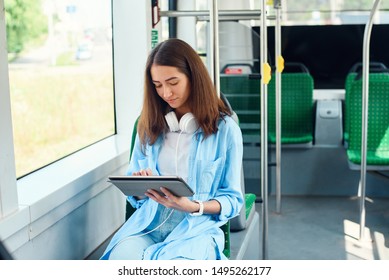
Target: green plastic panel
378, 124
297, 105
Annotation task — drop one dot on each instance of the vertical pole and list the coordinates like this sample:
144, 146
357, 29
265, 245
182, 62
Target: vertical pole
265, 78
214, 18
172, 20
210, 54
365, 114
279, 69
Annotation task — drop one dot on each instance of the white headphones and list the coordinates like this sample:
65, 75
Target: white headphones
187, 124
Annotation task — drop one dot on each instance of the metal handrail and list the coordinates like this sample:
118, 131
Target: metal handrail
277, 7
264, 133
214, 19
214, 31
224, 14
365, 113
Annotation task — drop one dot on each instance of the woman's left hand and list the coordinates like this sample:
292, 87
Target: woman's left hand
169, 200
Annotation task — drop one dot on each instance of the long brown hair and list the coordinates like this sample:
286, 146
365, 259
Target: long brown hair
205, 105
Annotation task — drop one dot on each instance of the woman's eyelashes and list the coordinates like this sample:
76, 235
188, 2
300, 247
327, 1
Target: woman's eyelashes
159, 85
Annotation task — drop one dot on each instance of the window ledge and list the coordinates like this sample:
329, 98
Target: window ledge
63, 186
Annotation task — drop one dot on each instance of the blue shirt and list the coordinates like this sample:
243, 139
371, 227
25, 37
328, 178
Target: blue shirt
214, 173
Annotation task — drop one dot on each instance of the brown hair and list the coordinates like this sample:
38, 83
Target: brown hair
205, 105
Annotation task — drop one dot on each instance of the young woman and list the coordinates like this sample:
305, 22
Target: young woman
184, 129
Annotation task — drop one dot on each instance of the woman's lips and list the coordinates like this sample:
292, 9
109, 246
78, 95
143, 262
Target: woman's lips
171, 101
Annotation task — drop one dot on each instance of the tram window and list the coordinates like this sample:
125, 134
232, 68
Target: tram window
318, 12
61, 78
329, 51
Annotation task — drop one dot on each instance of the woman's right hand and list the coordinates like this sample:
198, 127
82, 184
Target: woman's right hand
142, 172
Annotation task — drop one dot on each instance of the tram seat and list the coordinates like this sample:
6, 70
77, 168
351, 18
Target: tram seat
243, 93
349, 80
354, 73
377, 154
247, 221
297, 109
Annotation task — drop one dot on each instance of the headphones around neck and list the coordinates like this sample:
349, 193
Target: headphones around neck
187, 124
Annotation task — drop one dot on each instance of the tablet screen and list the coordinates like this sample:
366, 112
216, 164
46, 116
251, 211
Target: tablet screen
138, 185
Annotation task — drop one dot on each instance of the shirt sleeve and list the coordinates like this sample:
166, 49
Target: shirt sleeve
137, 162
229, 193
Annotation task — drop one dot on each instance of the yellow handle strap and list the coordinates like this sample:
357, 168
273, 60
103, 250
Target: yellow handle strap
280, 64
266, 75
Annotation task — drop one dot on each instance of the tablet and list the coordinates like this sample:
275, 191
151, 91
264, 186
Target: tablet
138, 185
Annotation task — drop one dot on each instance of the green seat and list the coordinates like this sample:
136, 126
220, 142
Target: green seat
348, 83
378, 121
243, 95
297, 106
250, 204
355, 73
296, 109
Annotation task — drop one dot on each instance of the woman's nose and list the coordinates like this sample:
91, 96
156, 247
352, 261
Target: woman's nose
167, 91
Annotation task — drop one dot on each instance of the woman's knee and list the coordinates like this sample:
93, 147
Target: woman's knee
131, 248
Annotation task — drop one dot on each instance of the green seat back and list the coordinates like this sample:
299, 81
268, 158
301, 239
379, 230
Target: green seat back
250, 203
296, 108
243, 95
348, 83
378, 120
356, 70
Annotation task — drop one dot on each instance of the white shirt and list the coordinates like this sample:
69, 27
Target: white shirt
174, 155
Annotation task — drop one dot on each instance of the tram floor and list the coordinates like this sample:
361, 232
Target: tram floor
326, 228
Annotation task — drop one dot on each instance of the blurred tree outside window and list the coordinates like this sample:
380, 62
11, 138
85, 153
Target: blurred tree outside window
61, 77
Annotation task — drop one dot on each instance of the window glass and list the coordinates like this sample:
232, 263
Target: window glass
61, 77
318, 12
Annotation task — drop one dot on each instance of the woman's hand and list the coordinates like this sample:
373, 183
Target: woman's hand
142, 172
169, 200
182, 203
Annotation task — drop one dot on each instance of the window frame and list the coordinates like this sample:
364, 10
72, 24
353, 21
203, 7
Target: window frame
35, 202
8, 193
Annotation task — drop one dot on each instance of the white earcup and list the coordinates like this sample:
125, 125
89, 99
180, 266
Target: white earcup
187, 124
172, 121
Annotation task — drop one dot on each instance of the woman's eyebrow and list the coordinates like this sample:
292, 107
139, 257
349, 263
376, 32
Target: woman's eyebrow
167, 80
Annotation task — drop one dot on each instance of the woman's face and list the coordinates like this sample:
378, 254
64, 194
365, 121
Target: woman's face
172, 86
